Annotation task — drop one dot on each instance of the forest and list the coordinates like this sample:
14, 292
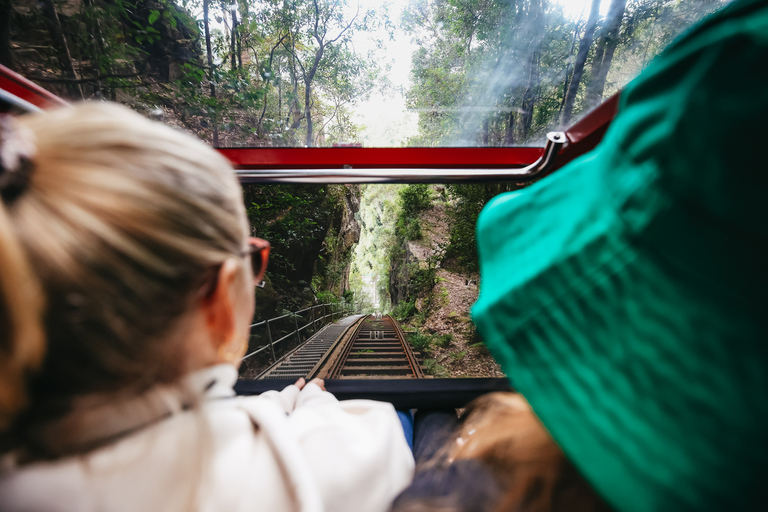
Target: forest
293, 72
298, 73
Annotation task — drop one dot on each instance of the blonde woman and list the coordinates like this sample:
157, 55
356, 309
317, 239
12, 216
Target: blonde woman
140, 242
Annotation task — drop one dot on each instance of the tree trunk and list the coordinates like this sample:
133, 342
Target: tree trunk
308, 93
307, 113
211, 77
239, 48
6, 57
259, 132
98, 47
60, 41
233, 40
509, 136
535, 20
581, 60
529, 97
609, 39
569, 65
294, 114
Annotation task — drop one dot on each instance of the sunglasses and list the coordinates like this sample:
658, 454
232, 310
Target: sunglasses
258, 251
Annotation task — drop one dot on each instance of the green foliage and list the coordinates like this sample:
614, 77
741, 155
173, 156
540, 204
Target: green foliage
409, 228
481, 347
432, 368
372, 258
458, 356
442, 340
286, 73
424, 342
421, 342
325, 297
467, 202
423, 280
403, 310
494, 73
276, 66
296, 220
413, 200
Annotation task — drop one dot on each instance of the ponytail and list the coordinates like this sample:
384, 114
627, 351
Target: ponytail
21, 333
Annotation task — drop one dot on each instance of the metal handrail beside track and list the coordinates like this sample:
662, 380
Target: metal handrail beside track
343, 307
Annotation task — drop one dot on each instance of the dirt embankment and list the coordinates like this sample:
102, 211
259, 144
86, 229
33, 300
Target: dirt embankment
452, 298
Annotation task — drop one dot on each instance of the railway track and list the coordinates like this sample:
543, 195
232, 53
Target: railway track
363, 347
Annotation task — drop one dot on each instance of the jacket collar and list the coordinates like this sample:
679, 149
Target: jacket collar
94, 422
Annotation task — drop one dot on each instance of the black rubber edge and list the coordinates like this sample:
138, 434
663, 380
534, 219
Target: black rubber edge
403, 394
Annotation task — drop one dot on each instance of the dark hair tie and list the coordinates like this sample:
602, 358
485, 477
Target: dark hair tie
17, 147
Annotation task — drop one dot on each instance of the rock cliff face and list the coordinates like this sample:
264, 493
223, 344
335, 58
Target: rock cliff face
90, 49
296, 219
343, 235
350, 231
399, 275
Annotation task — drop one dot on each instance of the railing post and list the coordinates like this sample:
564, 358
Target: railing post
296, 324
271, 346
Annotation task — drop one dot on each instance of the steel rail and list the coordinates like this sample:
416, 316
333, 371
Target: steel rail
415, 366
524, 175
377, 353
307, 357
330, 364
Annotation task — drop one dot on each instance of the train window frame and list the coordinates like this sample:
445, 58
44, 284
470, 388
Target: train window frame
521, 165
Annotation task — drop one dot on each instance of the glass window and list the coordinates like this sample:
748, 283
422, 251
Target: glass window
296, 73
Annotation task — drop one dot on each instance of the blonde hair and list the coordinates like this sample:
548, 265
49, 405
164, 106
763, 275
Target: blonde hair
21, 335
122, 220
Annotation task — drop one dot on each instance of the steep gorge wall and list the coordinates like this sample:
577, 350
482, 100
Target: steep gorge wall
343, 235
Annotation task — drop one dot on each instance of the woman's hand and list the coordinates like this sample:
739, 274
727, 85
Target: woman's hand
318, 382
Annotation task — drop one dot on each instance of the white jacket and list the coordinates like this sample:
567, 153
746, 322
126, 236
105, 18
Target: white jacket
280, 451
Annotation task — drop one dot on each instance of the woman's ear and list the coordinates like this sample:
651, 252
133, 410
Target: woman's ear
222, 312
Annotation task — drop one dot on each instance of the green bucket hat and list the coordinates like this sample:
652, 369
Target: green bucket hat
626, 295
